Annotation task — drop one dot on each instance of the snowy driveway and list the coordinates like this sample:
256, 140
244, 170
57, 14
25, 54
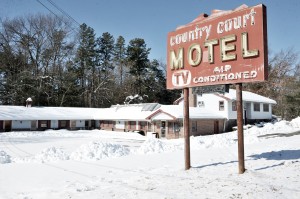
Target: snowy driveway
98, 164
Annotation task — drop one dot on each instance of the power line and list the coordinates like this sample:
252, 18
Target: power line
68, 16
63, 12
47, 8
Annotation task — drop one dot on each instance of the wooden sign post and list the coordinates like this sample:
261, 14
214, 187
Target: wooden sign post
240, 130
186, 123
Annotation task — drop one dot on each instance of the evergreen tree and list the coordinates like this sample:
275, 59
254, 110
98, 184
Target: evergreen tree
156, 85
120, 59
137, 56
86, 58
106, 52
120, 90
105, 71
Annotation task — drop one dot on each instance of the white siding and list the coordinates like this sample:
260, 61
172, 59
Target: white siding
261, 114
231, 114
97, 124
211, 104
54, 124
162, 116
80, 123
21, 124
120, 125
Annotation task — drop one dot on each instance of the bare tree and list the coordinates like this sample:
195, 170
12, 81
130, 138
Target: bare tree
42, 44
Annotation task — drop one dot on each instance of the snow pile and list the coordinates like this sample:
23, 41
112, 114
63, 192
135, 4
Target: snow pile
116, 134
269, 128
153, 145
296, 122
98, 151
51, 154
48, 133
4, 157
218, 140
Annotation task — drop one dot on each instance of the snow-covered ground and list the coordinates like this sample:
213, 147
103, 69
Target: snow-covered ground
102, 164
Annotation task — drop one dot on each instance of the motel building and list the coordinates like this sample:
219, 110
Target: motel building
211, 113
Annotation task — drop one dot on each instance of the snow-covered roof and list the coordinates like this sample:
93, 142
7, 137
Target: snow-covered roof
128, 112
132, 112
248, 96
172, 112
46, 113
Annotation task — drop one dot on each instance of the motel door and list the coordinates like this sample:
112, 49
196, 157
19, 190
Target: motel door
163, 129
7, 125
216, 127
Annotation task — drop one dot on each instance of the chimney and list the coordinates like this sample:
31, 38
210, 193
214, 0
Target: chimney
28, 102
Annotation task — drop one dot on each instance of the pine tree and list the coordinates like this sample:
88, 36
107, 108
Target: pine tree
86, 63
105, 81
137, 56
156, 85
119, 59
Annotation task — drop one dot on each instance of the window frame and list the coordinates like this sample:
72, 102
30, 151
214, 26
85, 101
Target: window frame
44, 123
266, 107
201, 104
255, 107
221, 107
233, 106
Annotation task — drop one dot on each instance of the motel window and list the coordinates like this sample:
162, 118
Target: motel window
73, 123
63, 124
266, 107
33, 124
234, 106
44, 124
201, 104
221, 106
143, 125
105, 123
132, 124
257, 107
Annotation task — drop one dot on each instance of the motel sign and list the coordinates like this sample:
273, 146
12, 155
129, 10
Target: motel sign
227, 47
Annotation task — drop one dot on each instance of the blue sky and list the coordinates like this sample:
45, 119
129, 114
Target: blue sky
153, 19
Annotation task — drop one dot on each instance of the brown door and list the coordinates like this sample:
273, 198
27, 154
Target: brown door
7, 125
216, 127
163, 129
1, 125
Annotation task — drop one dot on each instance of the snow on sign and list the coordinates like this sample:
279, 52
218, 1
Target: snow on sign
224, 48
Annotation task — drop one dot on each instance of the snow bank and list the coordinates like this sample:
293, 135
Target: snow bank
4, 157
47, 133
50, 154
153, 145
296, 122
63, 133
98, 151
278, 127
219, 140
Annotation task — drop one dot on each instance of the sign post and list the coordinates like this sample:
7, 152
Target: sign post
186, 124
239, 109
227, 47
